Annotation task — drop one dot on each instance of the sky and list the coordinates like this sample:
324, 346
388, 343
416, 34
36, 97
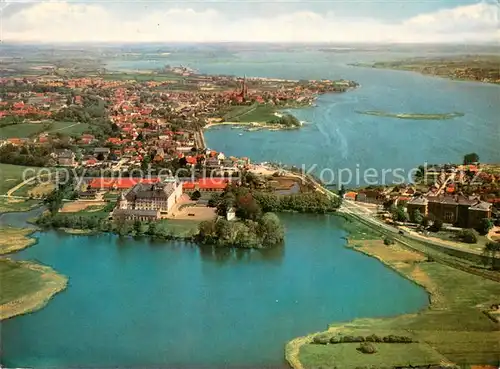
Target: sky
336, 21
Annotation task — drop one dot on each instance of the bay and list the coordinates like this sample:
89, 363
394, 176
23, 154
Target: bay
136, 303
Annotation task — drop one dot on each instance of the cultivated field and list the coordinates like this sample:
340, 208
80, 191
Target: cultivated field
180, 227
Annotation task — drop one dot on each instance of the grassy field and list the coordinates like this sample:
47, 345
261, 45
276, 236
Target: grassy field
111, 196
35, 189
97, 211
14, 239
22, 130
11, 175
28, 130
359, 232
250, 113
452, 237
388, 355
26, 287
69, 128
9, 205
17, 281
180, 228
454, 325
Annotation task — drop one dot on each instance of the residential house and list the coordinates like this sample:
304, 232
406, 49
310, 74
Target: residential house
102, 151
371, 196
417, 203
66, 158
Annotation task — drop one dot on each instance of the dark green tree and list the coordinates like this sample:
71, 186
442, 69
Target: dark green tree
399, 214
342, 191
138, 227
485, 225
437, 225
471, 158
195, 196
468, 236
152, 229
491, 249
270, 229
417, 217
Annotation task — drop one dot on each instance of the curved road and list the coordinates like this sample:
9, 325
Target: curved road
350, 207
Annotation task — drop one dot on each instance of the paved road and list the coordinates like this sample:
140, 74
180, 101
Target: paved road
18, 186
23, 183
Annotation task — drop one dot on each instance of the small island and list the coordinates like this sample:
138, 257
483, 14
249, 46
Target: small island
412, 116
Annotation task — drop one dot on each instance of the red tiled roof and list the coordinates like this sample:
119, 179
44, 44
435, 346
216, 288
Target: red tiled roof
102, 183
121, 183
188, 185
191, 159
209, 183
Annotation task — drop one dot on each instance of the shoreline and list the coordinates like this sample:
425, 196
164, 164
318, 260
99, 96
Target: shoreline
450, 78
16, 239
53, 284
292, 348
412, 265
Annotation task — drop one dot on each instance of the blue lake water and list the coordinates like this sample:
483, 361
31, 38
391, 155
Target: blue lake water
134, 303
139, 304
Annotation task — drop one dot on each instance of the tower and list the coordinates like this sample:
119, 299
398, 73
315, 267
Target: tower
244, 87
122, 202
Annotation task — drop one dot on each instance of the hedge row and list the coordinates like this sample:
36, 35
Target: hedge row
324, 339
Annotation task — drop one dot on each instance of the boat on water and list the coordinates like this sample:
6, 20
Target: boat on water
241, 134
